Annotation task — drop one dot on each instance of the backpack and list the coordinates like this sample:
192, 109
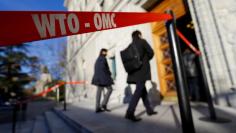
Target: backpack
131, 59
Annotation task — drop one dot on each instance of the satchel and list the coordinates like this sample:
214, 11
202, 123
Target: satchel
131, 59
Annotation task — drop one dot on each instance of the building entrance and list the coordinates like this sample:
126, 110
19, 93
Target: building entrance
185, 25
162, 50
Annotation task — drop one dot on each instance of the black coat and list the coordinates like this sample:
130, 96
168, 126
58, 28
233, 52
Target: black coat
102, 74
146, 53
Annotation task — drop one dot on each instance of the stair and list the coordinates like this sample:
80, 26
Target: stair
40, 125
53, 121
72, 123
56, 124
21, 127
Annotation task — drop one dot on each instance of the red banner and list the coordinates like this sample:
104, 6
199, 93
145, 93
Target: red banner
17, 27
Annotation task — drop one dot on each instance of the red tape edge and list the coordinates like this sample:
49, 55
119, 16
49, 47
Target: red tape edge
51, 24
49, 90
17, 27
195, 50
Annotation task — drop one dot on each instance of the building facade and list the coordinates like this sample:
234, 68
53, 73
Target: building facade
84, 49
212, 32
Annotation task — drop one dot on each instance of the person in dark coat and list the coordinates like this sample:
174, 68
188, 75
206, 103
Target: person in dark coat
192, 74
102, 79
140, 76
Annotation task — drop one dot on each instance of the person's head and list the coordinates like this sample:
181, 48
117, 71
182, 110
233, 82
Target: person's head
187, 50
136, 35
103, 52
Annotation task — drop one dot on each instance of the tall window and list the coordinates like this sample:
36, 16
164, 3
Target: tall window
113, 67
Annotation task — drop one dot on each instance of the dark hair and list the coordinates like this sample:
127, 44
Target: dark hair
136, 34
103, 50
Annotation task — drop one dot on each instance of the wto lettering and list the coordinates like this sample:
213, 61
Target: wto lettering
104, 21
47, 23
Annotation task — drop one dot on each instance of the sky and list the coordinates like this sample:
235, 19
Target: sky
38, 48
30, 5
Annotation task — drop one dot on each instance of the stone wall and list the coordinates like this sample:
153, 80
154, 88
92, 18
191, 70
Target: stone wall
215, 29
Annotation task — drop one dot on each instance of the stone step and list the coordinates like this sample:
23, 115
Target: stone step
73, 124
167, 120
56, 124
21, 127
40, 125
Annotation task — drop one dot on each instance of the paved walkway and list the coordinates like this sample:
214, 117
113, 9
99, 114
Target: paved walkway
166, 121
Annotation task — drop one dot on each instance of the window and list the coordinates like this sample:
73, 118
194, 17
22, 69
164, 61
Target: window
113, 67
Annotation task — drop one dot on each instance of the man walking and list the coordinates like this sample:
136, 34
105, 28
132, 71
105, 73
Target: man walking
140, 76
102, 79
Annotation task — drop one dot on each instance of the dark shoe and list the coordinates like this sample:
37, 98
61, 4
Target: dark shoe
99, 110
152, 113
132, 118
105, 109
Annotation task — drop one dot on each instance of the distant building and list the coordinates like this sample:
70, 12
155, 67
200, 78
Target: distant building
208, 24
44, 80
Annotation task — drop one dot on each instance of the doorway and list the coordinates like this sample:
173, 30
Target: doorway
186, 27
162, 49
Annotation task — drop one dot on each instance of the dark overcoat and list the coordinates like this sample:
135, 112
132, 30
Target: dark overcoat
102, 74
146, 53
